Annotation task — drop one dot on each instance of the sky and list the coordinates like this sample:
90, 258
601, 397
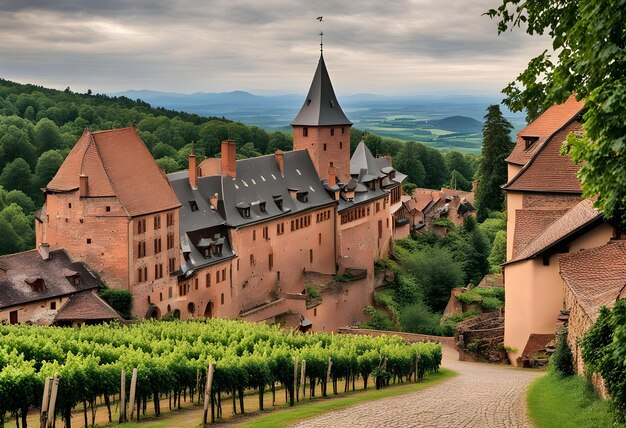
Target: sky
388, 47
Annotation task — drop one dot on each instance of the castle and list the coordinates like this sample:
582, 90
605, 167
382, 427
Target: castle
288, 237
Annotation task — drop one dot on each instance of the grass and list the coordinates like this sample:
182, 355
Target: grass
314, 408
562, 402
283, 415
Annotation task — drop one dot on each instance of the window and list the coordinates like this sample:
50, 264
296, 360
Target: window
13, 317
311, 256
237, 265
254, 235
262, 207
141, 249
89, 240
343, 130
170, 219
158, 271
195, 283
169, 295
340, 145
314, 312
224, 274
141, 226
171, 265
222, 299
280, 228
69, 205
251, 259
380, 229
332, 132
320, 239
217, 277
207, 280
157, 222
303, 196
377, 206
170, 241
271, 261
305, 132
53, 305
160, 297
529, 141
193, 205
324, 146
140, 277
157, 245
107, 208
387, 223
266, 233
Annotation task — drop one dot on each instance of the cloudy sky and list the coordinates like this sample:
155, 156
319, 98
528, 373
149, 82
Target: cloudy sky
370, 46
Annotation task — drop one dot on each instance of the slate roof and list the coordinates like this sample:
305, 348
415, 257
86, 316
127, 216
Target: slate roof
15, 269
597, 277
117, 164
531, 223
546, 125
86, 305
257, 187
579, 217
321, 107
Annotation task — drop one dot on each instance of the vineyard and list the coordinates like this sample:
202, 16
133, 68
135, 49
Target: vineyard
172, 360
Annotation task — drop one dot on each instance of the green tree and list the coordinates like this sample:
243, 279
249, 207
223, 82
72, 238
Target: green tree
10, 242
17, 175
168, 164
47, 166
455, 161
47, 136
458, 181
492, 171
408, 162
497, 256
590, 62
20, 198
279, 141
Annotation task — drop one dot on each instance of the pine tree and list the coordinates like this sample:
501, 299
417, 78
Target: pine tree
492, 170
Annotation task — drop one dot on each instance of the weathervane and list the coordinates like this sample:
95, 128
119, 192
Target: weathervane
321, 19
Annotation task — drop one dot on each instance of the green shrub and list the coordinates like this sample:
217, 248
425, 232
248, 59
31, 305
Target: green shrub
379, 320
417, 318
120, 300
491, 304
562, 361
468, 297
312, 292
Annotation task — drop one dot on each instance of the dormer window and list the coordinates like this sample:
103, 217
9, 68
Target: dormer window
303, 196
529, 141
278, 200
244, 209
193, 205
262, 207
36, 283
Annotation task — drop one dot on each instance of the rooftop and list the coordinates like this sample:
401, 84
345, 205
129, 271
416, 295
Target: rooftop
26, 277
86, 305
597, 277
542, 128
531, 223
321, 107
117, 164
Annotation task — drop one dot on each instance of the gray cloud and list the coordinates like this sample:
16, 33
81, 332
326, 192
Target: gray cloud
219, 45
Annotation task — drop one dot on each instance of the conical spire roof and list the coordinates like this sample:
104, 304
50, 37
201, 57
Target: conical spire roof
320, 107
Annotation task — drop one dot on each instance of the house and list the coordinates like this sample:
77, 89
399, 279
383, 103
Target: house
42, 288
547, 222
427, 209
232, 238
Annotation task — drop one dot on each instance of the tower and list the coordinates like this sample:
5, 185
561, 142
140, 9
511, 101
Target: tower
322, 128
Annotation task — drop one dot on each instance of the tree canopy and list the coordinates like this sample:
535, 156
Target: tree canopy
590, 62
492, 170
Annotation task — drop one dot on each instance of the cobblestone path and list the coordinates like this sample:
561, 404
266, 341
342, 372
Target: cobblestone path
481, 395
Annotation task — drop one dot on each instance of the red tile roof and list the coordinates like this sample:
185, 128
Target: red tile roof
548, 170
544, 127
117, 163
531, 223
597, 277
581, 215
86, 306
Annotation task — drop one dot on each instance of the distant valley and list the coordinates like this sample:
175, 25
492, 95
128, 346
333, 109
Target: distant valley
443, 122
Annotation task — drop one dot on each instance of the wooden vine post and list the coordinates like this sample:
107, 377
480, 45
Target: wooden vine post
295, 377
330, 365
123, 397
131, 399
207, 394
53, 400
303, 378
43, 416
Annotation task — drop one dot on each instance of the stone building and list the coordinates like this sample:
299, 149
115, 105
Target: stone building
47, 287
232, 238
547, 222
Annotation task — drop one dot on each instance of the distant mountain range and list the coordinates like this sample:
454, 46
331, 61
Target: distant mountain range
395, 116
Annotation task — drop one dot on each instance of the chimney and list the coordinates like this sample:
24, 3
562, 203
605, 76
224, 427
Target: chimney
213, 201
229, 158
474, 185
44, 251
332, 176
193, 169
279, 157
82, 186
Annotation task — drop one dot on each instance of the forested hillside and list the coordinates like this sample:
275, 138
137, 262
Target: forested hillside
39, 126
